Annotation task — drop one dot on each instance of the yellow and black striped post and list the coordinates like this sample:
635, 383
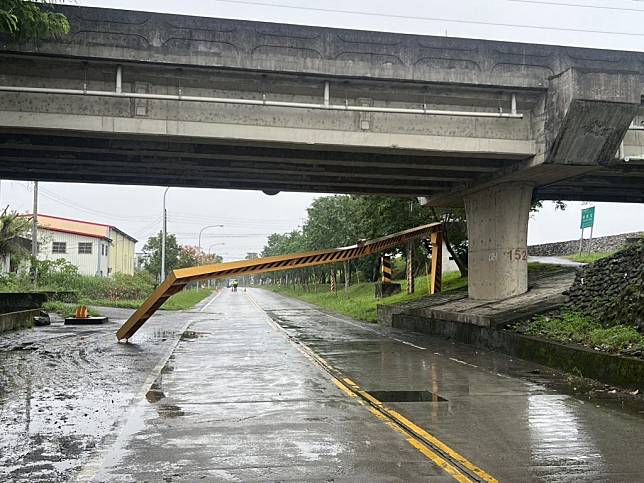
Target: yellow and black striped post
437, 262
334, 284
410, 267
385, 269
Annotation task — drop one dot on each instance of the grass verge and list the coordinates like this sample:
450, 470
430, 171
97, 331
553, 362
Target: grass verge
183, 300
588, 257
543, 267
360, 302
66, 309
575, 327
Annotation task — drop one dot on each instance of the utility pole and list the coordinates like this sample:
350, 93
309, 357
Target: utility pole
34, 237
163, 236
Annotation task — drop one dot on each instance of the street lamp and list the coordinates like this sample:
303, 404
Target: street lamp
214, 244
205, 228
163, 236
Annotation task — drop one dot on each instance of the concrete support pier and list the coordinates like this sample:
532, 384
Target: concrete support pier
497, 226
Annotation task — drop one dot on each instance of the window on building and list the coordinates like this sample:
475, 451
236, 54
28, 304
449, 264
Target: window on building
59, 247
84, 247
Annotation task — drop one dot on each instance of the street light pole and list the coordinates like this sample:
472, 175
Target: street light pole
205, 228
163, 236
213, 245
34, 237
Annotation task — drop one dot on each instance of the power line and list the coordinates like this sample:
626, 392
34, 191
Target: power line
578, 5
217, 235
72, 204
194, 216
430, 19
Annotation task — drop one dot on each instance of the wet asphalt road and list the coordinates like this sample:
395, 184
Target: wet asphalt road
64, 389
231, 398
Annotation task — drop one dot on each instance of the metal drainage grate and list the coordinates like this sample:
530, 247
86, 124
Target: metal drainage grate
407, 396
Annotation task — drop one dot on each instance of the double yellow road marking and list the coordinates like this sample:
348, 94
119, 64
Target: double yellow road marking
453, 463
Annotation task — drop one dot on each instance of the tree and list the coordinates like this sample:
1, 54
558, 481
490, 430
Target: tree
24, 20
192, 256
332, 222
153, 251
12, 228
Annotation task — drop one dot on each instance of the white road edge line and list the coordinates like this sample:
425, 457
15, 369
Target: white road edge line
367, 328
409, 343
213, 299
90, 470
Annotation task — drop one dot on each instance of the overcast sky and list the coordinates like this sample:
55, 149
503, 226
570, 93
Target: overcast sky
610, 24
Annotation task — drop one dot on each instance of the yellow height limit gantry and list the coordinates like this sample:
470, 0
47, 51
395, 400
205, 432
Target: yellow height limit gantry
178, 279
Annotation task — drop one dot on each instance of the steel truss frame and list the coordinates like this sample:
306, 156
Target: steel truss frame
178, 279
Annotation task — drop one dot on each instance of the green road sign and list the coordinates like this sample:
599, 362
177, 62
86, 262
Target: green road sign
587, 217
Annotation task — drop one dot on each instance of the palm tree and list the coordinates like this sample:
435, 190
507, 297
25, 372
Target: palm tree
12, 229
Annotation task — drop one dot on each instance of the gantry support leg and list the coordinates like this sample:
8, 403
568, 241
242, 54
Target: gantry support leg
410, 267
436, 276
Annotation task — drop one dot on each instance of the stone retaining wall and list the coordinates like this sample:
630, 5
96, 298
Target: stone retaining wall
612, 289
571, 247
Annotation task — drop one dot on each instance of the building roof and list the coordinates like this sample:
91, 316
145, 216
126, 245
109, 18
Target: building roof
74, 232
96, 233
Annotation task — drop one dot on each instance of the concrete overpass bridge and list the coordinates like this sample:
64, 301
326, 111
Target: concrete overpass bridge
145, 98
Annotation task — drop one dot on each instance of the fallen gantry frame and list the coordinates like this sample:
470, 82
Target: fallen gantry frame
178, 279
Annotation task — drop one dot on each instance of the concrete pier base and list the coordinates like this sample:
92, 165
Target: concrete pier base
497, 226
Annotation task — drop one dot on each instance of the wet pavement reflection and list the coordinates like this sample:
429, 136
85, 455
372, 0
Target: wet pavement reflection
517, 420
238, 402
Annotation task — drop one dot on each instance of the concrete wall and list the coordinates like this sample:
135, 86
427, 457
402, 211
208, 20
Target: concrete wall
17, 320
19, 301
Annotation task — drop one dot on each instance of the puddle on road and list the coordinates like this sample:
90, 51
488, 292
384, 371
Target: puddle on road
161, 402
406, 396
170, 411
190, 335
155, 394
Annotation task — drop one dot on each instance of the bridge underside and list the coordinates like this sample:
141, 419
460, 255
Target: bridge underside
241, 165
48, 155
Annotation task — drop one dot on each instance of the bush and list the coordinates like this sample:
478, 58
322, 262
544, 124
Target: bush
575, 327
61, 276
11, 282
119, 287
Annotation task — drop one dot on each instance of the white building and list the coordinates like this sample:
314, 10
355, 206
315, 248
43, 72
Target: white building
87, 252
95, 248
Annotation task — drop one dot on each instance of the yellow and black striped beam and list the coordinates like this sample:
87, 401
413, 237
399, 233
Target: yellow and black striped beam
178, 279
